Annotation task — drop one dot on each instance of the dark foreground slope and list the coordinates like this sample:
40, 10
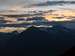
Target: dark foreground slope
36, 42
69, 52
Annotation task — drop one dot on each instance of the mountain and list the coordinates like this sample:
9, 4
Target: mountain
35, 41
70, 52
32, 37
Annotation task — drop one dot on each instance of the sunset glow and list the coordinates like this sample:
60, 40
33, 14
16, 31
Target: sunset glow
61, 15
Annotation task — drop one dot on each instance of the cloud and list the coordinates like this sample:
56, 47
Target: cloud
12, 2
7, 3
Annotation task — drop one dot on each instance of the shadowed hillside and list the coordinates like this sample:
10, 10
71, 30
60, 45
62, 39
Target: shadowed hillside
37, 42
69, 52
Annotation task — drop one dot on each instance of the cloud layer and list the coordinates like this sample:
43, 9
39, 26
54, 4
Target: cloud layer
12, 2
7, 3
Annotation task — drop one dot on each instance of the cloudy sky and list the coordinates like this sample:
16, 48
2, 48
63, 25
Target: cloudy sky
11, 2
7, 3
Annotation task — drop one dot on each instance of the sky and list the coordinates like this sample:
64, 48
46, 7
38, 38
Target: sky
6, 3
11, 2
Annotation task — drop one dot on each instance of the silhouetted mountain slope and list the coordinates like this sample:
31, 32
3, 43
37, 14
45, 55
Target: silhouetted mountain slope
32, 35
32, 41
40, 42
4, 38
69, 52
59, 28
